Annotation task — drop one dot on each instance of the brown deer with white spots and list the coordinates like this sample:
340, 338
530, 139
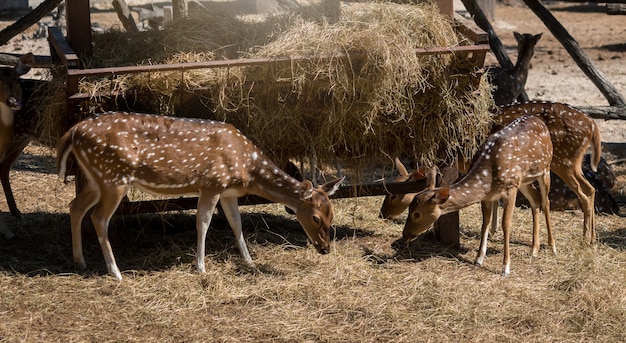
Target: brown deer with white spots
510, 160
10, 102
394, 204
509, 83
177, 156
572, 132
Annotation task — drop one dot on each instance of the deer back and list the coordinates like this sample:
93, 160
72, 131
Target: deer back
571, 130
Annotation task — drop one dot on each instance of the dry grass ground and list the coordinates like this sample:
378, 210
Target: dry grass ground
368, 289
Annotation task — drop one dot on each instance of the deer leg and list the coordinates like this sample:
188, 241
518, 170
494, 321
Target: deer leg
534, 199
231, 210
206, 206
100, 217
487, 208
494, 217
85, 200
507, 216
5, 168
575, 180
544, 188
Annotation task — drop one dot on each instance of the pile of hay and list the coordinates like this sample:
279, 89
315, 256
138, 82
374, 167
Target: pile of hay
384, 100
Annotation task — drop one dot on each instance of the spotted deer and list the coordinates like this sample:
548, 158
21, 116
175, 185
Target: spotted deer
10, 102
177, 156
510, 160
509, 83
572, 132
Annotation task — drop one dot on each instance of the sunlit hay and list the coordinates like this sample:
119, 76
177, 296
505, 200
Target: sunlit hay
48, 102
390, 102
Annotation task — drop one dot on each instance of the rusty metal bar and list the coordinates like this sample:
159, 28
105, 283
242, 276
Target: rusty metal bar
349, 191
251, 62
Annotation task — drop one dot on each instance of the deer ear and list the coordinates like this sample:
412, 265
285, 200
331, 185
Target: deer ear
306, 190
441, 195
332, 186
24, 64
401, 168
431, 178
517, 35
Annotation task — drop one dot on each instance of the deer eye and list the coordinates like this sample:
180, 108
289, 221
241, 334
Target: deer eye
316, 219
416, 216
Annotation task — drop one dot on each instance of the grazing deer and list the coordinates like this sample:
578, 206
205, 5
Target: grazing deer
394, 204
510, 159
572, 132
176, 156
509, 83
10, 101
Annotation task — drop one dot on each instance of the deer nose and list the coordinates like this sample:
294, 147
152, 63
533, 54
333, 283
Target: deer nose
14, 103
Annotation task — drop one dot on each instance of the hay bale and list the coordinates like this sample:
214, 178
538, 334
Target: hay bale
389, 102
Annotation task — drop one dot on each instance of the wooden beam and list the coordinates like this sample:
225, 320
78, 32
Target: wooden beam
605, 112
125, 15
28, 20
348, 191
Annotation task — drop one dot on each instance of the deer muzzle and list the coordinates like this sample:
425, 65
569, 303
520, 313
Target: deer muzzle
14, 103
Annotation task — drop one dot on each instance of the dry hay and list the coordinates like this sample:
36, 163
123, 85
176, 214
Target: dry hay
390, 102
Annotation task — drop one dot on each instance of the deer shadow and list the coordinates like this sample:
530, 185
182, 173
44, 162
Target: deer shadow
145, 242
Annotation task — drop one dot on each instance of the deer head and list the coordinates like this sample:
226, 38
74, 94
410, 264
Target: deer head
394, 204
11, 97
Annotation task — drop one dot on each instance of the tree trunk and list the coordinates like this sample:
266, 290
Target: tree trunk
28, 20
577, 53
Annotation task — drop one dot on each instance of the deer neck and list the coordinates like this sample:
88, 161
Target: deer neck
523, 64
272, 183
471, 189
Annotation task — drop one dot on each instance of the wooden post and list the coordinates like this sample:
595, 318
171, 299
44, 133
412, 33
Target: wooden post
125, 15
446, 7
79, 27
447, 227
180, 8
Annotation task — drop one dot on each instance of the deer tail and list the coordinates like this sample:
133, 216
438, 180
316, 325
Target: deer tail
64, 148
596, 148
